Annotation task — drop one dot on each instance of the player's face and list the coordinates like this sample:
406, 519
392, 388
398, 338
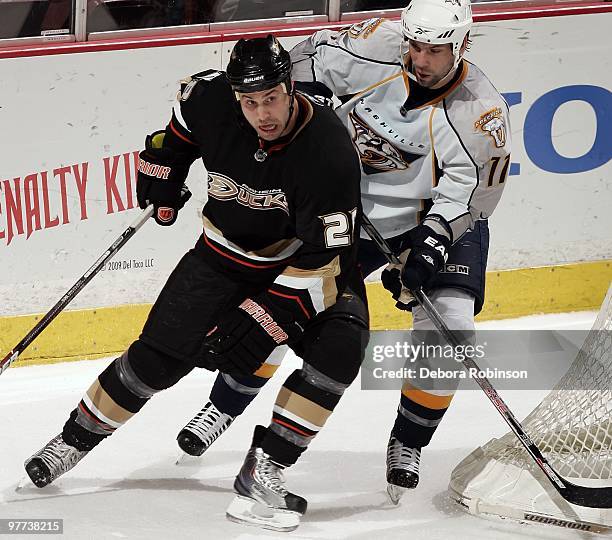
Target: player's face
267, 111
430, 63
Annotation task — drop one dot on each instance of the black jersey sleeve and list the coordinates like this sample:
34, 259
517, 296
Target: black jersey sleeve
187, 113
327, 216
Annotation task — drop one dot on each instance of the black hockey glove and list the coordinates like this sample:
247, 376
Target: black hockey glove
161, 175
244, 337
429, 244
391, 280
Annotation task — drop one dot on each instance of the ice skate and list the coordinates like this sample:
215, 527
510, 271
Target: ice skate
53, 460
402, 469
262, 498
201, 431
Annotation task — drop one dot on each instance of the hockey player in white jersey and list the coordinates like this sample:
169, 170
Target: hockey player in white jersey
433, 137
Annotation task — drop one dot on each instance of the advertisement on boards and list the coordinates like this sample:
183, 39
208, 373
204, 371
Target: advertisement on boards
70, 148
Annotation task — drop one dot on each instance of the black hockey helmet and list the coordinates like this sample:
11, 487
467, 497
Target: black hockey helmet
259, 64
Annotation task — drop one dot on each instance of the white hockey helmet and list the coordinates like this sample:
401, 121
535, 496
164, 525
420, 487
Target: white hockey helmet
438, 22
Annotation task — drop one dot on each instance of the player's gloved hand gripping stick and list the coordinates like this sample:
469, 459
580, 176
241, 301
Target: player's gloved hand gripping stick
591, 497
13, 355
161, 175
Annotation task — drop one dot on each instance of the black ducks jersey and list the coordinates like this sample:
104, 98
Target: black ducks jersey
281, 215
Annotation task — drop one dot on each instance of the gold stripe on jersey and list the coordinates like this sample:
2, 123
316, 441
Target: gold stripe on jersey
278, 251
434, 180
320, 282
104, 406
330, 292
273, 250
300, 408
406, 80
379, 83
437, 99
331, 269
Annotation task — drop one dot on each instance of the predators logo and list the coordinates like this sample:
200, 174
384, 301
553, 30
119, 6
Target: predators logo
376, 154
362, 29
223, 188
492, 123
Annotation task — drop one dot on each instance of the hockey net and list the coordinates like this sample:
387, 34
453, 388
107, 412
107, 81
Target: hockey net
572, 428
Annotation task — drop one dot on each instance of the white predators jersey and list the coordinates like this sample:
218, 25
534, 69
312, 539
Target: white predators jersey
453, 151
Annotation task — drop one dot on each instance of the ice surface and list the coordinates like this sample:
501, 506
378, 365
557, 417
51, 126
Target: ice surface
130, 487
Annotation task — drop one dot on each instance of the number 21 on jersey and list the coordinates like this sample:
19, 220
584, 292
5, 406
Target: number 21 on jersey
339, 228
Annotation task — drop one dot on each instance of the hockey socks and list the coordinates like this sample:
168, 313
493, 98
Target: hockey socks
418, 415
302, 407
113, 398
232, 394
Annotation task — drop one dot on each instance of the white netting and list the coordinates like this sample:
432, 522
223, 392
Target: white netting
572, 427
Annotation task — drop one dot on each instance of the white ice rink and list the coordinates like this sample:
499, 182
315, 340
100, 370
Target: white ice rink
130, 487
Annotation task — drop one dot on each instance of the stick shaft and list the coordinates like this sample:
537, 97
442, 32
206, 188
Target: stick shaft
112, 250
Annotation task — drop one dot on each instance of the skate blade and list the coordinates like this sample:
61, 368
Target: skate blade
185, 459
251, 512
395, 493
25, 481
25, 490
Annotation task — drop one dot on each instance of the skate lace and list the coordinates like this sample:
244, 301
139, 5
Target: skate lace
208, 424
403, 457
60, 457
271, 476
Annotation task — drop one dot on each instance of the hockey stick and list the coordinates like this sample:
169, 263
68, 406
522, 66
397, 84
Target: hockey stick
501, 511
591, 497
13, 355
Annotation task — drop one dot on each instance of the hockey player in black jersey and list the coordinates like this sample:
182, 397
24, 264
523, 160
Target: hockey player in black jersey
434, 140
278, 248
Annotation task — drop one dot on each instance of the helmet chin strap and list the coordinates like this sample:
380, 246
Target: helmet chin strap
291, 94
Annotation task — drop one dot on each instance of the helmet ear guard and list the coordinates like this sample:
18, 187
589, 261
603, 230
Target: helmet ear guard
259, 64
438, 22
